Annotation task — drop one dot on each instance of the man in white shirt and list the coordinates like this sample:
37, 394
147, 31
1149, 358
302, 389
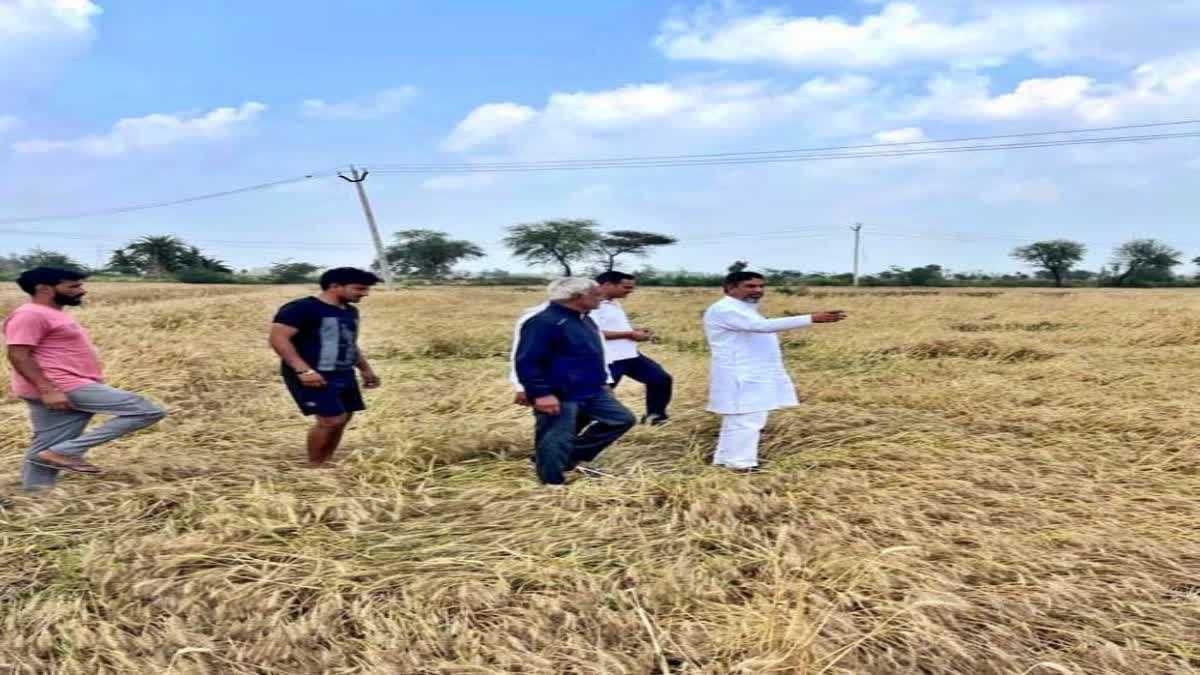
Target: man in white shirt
748, 379
621, 347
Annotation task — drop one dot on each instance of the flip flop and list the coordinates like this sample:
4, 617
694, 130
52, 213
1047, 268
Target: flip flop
74, 467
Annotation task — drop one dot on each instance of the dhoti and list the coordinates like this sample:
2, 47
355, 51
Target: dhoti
737, 446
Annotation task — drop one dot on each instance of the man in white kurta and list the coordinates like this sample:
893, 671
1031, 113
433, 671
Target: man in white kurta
748, 379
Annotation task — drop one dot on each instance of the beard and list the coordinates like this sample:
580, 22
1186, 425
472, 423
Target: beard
68, 300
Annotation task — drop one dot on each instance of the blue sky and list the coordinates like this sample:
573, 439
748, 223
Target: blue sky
112, 102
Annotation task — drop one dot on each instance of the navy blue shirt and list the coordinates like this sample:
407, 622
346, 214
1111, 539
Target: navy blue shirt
561, 353
326, 335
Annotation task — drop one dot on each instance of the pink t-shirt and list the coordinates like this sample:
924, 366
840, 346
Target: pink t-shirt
61, 348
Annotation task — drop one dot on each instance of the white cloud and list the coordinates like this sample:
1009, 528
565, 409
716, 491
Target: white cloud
150, 132
8, 123
486, 123
380, 104
1154, 90
698, 106
900, 33
456, 183
1194, 164
905, 135
34, 34
1040, 191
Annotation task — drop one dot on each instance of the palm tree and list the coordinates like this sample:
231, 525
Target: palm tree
192, 257
158, 255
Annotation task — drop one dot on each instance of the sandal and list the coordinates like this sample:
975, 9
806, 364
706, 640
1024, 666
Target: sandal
74, 467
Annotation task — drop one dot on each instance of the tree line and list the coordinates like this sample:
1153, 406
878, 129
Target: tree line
581, 246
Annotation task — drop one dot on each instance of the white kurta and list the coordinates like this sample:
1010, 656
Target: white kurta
747, 373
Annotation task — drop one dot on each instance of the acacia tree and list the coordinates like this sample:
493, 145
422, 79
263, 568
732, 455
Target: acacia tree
554, 242
629, 242
428, 253
1055, 256
1144, 260
288, 272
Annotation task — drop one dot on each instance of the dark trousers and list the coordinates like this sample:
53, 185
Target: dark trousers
646, 370
579, 433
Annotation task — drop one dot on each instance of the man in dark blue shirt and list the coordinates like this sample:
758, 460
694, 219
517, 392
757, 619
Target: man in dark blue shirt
560, 363
316, 339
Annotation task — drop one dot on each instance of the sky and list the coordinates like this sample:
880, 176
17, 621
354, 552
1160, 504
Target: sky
108, 103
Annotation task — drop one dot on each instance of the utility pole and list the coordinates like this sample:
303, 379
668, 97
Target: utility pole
358, 178
857, 228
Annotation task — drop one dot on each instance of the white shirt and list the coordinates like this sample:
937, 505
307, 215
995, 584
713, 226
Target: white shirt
611, 318
528, 314
747, 365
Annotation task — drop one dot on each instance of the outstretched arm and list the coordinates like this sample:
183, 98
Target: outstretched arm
740, 321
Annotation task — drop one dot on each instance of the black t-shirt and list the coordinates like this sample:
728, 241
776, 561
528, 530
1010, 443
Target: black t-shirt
327, 335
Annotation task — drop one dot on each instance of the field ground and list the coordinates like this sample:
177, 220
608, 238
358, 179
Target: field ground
978, 482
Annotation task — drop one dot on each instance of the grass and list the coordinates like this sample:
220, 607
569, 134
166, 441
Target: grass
1001, 483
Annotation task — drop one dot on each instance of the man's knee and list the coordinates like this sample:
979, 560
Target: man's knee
154, 413
148, 413
334, 422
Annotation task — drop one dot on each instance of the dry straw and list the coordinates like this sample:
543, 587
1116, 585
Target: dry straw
976, 483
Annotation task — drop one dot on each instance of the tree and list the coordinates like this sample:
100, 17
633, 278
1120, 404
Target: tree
428, 253
156, 255
193, 259
1144, 260
553, 242
124, 262
631, 242
928, 275
43, 258
1055, 256
738, 266
164, 255
288, 272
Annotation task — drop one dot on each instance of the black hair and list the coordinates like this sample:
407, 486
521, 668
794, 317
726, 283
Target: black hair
50, 276
344, 276
734, 278
613, 277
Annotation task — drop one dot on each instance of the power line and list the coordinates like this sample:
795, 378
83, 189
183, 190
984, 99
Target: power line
583, 165
884, 150
161, 204
111, 237
642, 158
976, 237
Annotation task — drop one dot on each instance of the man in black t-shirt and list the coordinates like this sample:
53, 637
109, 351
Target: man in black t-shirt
317, 340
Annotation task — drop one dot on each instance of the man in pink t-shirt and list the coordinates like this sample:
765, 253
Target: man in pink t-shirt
57, 372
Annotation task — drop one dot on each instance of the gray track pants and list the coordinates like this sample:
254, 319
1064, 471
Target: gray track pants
63, 430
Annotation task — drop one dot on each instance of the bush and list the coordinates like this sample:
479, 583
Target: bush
203, 275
